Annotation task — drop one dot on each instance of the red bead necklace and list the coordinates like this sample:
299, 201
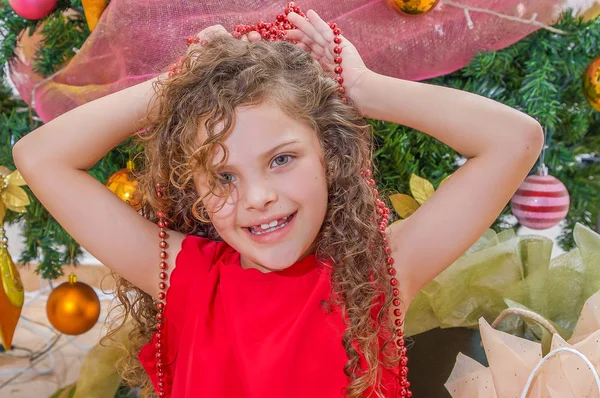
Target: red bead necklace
272, 31
163, 276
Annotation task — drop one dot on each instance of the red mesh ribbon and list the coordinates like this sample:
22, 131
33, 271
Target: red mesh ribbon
135, 40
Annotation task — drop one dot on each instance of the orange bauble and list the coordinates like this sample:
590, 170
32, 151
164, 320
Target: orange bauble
124, 186
411, 7
73, 307
591, 83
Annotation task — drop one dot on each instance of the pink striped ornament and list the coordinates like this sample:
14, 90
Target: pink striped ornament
541, 202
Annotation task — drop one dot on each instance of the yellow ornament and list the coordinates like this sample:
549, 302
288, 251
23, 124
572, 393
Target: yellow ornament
591, 13
12, 197
124, 186
421, 189
591, 83
411, 7
93, 10
73, 307
12, 294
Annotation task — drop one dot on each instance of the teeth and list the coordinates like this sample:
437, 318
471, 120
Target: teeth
270, 227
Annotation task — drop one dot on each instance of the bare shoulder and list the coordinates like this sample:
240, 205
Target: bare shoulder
108, 228
148, 279
174, 242
398, 232
455, 217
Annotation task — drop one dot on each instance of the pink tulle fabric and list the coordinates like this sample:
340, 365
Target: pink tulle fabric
137, 39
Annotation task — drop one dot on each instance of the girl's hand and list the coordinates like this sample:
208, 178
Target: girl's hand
197, 41
316, 37
215, 30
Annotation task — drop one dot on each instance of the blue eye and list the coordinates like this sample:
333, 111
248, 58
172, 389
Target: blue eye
281, 160
226, 178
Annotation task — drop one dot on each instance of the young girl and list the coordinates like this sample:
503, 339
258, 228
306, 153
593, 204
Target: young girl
272, 272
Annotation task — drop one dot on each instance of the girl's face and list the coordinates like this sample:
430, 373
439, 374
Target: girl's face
279, 196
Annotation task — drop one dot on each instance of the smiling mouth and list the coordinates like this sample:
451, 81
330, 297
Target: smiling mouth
272, 226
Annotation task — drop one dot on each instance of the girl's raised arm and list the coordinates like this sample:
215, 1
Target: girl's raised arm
53, 160
501, 144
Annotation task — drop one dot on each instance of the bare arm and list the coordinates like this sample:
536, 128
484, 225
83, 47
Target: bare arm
470, 124
54, 158
501, 143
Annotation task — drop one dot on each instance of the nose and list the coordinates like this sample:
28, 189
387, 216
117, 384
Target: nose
259, 194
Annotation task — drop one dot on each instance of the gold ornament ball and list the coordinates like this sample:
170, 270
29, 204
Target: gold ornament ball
124, 186
73, 307
591, 83
411, 7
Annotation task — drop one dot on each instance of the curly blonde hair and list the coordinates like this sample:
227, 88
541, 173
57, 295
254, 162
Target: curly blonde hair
216, 79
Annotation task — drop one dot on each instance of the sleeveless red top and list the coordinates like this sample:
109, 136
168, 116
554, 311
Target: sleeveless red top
232, 332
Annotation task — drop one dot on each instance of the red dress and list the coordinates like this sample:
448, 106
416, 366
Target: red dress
239, 333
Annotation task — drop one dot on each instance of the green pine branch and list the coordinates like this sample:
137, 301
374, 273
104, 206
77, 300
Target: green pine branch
63, 35
540, 75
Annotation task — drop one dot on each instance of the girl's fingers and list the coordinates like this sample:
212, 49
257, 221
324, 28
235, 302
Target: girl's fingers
251, 36
303, 46
319, 60
254, 36
308, 28
318, 52
298, 35
209, 33
294, 34
212, 31
321, 26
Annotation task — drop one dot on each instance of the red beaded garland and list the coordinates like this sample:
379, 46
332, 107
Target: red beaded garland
160, 303
383, 212
277, 30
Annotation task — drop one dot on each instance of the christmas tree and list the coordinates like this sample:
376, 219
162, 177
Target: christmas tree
540, 75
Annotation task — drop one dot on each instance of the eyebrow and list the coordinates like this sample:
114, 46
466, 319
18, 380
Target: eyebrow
272, 151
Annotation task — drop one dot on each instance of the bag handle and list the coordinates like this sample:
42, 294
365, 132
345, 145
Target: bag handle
546, 324
525, 314
550, 355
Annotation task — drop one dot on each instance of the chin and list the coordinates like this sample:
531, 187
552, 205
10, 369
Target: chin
274, 252
274, 259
